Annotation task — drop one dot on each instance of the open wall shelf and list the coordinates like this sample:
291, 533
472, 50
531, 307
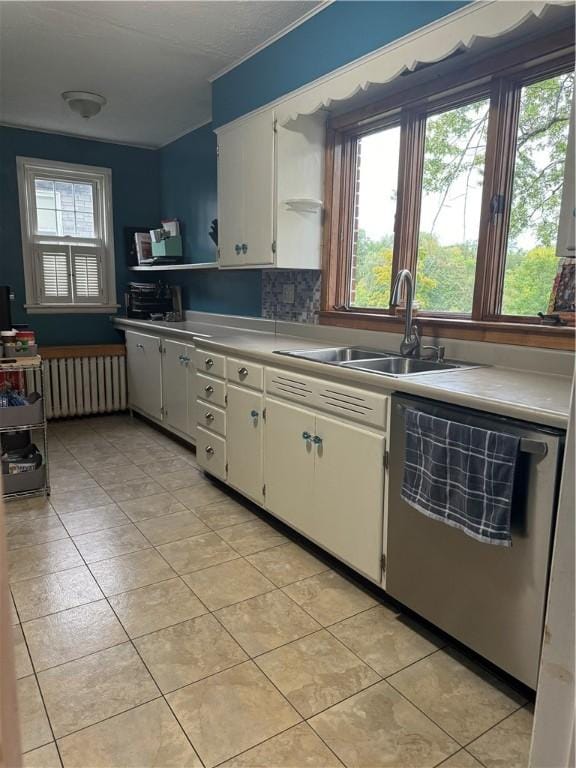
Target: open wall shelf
174, 267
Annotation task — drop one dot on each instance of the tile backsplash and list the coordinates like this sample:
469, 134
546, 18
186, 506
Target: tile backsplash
292, 295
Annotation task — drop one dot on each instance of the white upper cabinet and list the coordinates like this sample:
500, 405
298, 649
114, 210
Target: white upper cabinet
270, 183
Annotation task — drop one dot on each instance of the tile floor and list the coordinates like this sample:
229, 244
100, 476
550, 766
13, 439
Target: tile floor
158, 622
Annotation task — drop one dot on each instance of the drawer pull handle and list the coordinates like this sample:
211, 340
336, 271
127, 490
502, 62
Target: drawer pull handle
209, 389
209, 450
317, 440
209, 362
242, 371
306, 436
254, 414
209, 416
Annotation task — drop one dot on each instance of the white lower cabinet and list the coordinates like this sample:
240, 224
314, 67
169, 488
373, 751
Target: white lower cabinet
244, 441
178, 394
325, 477
144, 364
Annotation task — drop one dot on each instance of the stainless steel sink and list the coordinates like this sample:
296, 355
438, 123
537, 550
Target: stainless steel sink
336, 355
402, 366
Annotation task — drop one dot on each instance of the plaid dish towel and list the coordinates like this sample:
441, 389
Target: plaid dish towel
460, 475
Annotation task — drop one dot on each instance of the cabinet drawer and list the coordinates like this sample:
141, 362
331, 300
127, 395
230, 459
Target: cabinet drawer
211, 453
211, 390
248, 374
211, 418
210, 363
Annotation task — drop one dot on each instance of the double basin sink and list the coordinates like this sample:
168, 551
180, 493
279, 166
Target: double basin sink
384, 363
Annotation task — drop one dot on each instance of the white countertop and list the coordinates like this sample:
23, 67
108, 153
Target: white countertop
531, 396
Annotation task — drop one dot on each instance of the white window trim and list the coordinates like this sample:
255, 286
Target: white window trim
28, 168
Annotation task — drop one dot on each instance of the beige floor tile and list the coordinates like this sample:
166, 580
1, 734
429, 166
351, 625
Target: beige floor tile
462, 759
385, 640
329, 597
507, 745
30, 509
298, 747
13, 615
25, 533
71, 634
134, 489
197, 552
111, 476
21, 655
88, 690
101, 458
138, 569
158, 505
241, 697
225, 513
163, 530
228, 583
70, 481
43, 558
156, 606
173, 481
73, 501
43, 757
286, 564
266, 622
110, 542
201, 493
461, 697
248, 538
377, 728
158, 469
55, 592
145, 737
142, 454
95, 519
34, 728
187, 652
316, 672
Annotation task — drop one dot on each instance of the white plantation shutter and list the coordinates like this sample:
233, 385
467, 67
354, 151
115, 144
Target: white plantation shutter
54, 274
87, 274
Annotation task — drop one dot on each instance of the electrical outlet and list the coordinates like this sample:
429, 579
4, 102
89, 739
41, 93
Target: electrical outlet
288, 293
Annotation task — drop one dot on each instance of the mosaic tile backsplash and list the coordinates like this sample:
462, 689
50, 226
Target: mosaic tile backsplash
292, 295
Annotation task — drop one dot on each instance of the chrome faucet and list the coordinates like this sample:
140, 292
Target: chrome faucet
410, 344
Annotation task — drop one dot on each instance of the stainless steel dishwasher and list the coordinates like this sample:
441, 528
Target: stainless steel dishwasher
490, 598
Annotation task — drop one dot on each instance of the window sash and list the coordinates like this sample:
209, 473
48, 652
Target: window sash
504, 92
69, 274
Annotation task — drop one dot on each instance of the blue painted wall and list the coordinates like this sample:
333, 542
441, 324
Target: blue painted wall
340, 33
136, 202
188, 191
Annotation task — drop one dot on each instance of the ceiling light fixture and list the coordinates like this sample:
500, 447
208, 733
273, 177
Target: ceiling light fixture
84, 103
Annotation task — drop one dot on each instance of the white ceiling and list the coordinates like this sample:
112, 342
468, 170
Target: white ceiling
150, 60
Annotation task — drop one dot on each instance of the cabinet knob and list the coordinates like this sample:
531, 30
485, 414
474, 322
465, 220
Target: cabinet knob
139, 346
242, 371
254, 414
209, 416
317, 440
237, 248
209, 362
244, 248
306, 436
209, 389
209, 450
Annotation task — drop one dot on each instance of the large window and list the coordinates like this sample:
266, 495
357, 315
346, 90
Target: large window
463, 186
67, 237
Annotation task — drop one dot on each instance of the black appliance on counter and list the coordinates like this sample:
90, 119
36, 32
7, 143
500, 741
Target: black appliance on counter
146, 299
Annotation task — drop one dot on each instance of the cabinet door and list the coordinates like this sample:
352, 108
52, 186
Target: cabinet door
144, 373
244, 441
230, 197
289, 464
191, 392
349, 493
258, 141
175, 384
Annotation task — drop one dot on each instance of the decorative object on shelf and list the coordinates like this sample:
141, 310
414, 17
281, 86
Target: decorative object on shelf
563, 296
214, 231
143, 243
130, 244
304, 204
84, 103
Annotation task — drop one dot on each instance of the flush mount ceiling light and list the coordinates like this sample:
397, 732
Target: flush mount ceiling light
84, 103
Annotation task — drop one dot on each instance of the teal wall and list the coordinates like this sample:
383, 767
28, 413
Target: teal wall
342, 32
136, 202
